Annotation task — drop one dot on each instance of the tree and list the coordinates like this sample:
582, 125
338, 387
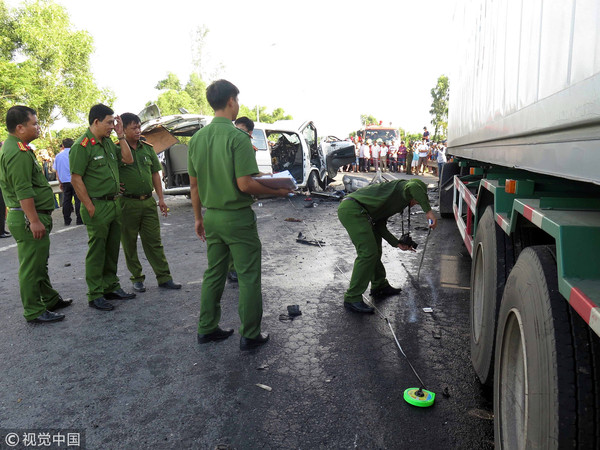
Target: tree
171, 82
439, 107
367, 119
45, 63
196, 89
265, 117
204, 64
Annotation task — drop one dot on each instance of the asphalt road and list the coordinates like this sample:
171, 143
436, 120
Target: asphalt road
136, 377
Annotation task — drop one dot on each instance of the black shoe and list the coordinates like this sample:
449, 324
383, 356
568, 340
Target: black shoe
119, 294
48, 317
232, 276
6, 234
79, 222
169, 285
387, 291
217, 335
67, 223
249, 344
138, 286
61, 303
101, 304
359, 307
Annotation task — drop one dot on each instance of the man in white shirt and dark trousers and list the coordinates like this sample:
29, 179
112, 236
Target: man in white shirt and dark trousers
423, 150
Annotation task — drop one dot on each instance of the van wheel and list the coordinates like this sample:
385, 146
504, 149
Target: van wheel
547, 378
446, 189
492, 259
314, 184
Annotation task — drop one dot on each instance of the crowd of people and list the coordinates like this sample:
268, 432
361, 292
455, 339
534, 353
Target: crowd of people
398, 157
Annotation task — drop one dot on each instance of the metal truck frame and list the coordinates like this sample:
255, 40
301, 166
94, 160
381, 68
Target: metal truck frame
524, 190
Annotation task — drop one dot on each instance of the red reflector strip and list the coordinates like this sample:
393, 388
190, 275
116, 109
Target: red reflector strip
582, 304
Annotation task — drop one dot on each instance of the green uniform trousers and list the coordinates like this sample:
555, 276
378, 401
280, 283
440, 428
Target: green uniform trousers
37, 294
367, 265
232, 232
104, 237
141, 217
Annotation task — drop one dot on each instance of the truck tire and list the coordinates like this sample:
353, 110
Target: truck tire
313, 183
492, 254
547, 377
446, 190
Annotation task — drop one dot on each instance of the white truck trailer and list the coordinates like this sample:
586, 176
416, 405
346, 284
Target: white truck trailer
524, 189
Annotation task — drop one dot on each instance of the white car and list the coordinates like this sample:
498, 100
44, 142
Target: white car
283, 145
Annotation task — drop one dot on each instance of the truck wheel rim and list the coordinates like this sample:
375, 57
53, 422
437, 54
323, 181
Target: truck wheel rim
478, 290
514, 385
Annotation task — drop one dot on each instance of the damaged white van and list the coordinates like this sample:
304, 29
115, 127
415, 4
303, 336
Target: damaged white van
283, 145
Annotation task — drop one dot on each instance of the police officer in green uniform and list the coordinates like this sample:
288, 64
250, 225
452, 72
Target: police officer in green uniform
221, 162
94, 162
30, 201
364, 214
138, 208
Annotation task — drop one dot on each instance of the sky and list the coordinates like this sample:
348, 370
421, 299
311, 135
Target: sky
328, 61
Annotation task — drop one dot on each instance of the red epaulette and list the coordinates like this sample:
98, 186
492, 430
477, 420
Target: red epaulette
85, 141
22, 147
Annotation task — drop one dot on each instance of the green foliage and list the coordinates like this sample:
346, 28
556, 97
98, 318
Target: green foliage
44, 63
196, 89
265, 117
439, 107
192, 97
367, 119
169, 103
171, 82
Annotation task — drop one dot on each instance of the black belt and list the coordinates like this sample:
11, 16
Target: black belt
109, 198
47, 212
138, 197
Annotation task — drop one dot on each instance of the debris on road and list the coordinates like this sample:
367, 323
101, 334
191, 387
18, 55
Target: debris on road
292, 219
303, 240
265, 387
337, 195
428, 310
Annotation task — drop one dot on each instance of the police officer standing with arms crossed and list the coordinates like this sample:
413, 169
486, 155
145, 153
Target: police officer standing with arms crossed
30, 201
94, 161
138, 208
221, 162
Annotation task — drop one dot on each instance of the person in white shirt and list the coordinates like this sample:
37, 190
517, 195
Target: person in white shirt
383, 155
423, 150
366, 151
375, 150
441, 158
393, 157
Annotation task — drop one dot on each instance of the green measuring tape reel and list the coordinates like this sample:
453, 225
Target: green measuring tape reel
419, 397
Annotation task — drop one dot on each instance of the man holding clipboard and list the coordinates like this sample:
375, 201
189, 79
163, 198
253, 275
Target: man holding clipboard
221, 163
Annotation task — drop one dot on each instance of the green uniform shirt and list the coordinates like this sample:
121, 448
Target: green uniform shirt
97, 163
218, 155
137, 177
383, 200
22, 177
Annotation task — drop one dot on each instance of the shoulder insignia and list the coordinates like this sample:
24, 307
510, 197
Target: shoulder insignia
147, 143
85, 141
93, 141
22, 147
